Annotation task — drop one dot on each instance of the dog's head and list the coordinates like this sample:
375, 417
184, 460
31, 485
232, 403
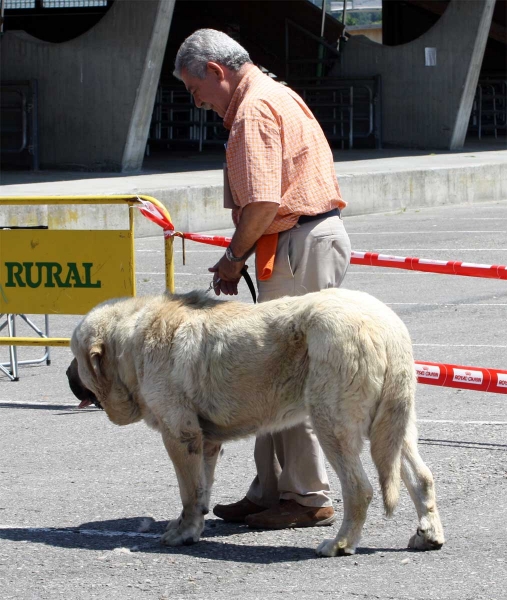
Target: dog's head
97, 375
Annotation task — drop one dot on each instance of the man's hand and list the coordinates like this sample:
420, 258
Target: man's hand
226, 276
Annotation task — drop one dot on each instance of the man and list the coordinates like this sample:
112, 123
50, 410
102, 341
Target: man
282, 180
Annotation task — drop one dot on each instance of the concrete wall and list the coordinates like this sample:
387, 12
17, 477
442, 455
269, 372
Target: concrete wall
96, 92
426, 106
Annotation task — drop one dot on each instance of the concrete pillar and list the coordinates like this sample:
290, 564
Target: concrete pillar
483, 26
145, 97
426, 105
96, 92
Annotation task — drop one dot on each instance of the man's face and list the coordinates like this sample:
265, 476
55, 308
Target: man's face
212, 92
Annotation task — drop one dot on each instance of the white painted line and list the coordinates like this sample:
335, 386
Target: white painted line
176, 251
443, 304
380, 250
459, 345
90, 532
421, 232
404, 272
162, 273
462, 422
39, 404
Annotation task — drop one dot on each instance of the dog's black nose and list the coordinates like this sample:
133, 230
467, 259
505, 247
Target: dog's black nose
78, 389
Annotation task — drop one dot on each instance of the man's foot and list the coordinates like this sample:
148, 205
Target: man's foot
289, 514
238, 511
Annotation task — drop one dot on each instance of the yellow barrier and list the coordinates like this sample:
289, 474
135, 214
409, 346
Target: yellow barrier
40, 341
33, 281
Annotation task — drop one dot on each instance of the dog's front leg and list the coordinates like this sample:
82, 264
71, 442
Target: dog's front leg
212, 452
187, 456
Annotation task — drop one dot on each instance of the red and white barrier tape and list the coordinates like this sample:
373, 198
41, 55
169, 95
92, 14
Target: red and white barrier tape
152, 212
383, 260
430, 266
156, 215
212, 240
465, 378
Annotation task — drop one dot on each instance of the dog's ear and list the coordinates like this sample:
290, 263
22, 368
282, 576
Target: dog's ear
96, 354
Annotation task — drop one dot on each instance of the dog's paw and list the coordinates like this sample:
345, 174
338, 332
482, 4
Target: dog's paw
181, 533
429, 535
424, 540
173, 524
334, 547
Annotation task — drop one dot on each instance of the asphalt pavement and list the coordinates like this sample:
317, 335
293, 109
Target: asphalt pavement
83, 502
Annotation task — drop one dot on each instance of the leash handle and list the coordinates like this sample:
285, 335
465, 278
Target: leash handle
249, 283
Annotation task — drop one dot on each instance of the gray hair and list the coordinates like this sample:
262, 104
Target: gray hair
206, 45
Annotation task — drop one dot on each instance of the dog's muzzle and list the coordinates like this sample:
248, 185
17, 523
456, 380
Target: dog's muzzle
86, 396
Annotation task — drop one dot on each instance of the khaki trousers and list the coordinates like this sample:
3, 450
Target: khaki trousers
290, 464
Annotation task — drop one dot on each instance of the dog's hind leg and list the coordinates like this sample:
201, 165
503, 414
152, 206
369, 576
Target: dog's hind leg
419, 482
342, 446
188, 460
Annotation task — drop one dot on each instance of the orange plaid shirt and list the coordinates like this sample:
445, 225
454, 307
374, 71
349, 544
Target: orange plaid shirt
277, 152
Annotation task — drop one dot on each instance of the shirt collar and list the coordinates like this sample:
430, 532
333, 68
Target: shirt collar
239, 94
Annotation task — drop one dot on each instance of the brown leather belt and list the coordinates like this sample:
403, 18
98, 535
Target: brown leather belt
307, 218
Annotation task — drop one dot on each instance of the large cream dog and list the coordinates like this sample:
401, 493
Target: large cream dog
203, 371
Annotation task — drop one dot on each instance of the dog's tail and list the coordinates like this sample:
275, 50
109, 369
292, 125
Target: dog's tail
389, 428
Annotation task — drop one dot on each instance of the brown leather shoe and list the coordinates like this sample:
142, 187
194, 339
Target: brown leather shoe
289, 514
236, 512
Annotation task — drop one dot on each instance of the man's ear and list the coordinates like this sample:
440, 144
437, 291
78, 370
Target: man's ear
216, 69
96, 354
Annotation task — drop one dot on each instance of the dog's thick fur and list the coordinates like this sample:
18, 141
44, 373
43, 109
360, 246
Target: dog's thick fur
203, 371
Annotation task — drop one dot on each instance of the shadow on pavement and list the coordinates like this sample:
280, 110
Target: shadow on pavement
121, 536
70, 409
463, 444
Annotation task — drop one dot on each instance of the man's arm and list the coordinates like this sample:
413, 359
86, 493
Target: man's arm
255, 219
254, 158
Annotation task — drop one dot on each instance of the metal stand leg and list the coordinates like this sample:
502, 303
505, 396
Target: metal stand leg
48, 355
13, 351
3, 365
13, 363
36, 361
12, 373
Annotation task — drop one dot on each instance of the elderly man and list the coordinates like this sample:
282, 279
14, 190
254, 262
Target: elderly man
286, 196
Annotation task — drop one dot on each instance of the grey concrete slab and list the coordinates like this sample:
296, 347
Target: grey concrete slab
75, 489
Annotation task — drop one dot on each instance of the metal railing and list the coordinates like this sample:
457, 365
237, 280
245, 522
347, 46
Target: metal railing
176, 121
298, 68
489, 110
347, 109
